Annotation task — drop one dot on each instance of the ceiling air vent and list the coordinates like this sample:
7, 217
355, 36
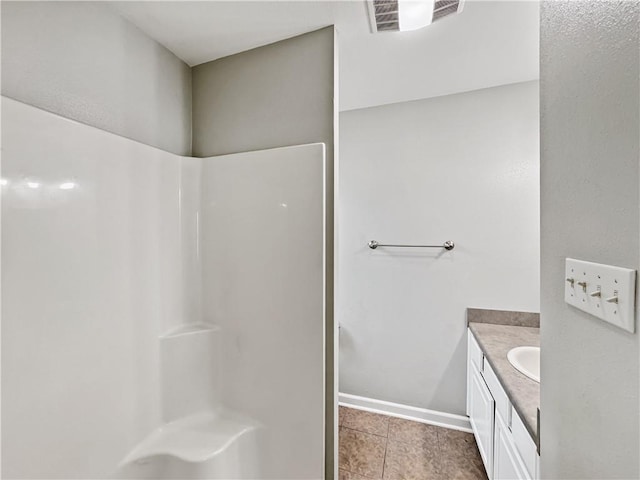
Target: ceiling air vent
442, 8
404, 15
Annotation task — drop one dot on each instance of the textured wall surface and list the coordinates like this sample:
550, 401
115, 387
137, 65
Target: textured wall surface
589, 176
272, 96
84, 62
463, 168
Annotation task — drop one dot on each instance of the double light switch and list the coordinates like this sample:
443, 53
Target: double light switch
604, 291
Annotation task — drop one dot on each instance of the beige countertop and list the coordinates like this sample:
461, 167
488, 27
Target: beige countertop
524, 393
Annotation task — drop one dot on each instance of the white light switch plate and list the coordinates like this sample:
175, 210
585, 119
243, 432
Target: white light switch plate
584, 279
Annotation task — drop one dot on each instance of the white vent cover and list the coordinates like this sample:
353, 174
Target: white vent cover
385, 16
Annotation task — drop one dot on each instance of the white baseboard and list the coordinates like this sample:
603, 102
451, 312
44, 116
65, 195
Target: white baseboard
422, 415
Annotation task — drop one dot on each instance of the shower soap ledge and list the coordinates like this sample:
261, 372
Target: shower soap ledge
190, 328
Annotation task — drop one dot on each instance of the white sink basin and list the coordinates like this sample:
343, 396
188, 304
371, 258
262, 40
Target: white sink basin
526, 360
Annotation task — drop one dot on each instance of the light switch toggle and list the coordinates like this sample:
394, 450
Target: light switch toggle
583, 285
613, 299
597, 293
571, 281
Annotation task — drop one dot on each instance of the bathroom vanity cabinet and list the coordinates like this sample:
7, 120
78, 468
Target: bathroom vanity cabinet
506, 447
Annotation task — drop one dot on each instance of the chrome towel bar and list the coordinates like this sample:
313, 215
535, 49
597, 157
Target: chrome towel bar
448, 245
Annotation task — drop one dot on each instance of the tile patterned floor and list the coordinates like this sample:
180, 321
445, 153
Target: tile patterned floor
374, 446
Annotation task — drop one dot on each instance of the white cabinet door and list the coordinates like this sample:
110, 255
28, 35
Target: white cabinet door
475, 360
506, 463
481, 415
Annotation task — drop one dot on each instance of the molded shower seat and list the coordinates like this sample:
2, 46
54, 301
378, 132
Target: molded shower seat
196, 438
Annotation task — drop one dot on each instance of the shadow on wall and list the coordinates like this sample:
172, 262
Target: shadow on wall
449, 383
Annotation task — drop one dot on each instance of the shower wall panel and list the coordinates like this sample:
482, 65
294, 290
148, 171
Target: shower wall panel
120, 262
92, 272
262, 243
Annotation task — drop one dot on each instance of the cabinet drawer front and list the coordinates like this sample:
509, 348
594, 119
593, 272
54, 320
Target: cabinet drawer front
524, 443
474, 353
482, 419
503, 405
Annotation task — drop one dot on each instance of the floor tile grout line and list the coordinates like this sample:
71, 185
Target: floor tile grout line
383, 456
362, 431
372, 413
359, 474
438, 458
386, 445
356, 473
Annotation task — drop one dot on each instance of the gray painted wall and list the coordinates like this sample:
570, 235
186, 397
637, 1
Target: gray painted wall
272, 96
276, 95
590, 150
461, 167
83, 61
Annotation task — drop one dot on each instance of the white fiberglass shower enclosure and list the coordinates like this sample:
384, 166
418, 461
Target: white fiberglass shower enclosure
163, 316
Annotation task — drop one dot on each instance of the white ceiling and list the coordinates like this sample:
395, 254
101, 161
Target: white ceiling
490, 43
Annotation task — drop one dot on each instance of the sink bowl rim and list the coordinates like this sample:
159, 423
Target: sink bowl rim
515, 363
